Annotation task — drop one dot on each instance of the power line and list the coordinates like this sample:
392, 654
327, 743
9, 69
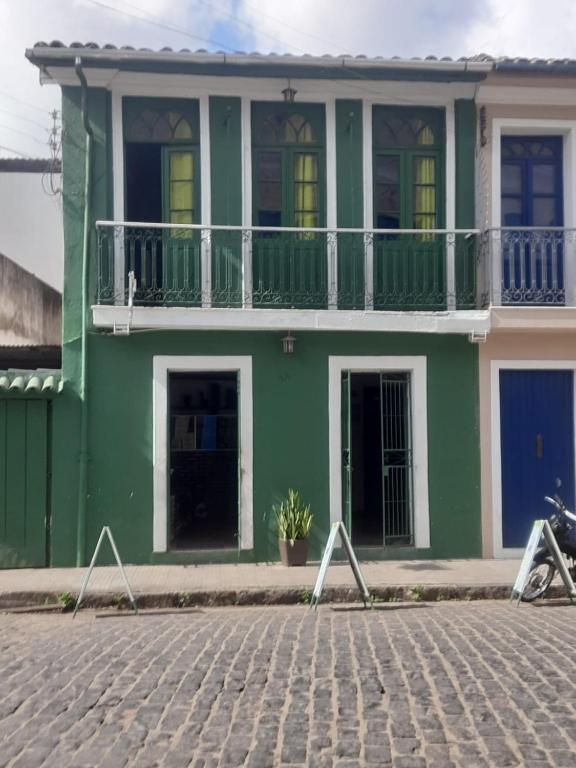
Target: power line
251, 27
16, 152
25, 103
24, 133
156, 21
289, 26
27, 119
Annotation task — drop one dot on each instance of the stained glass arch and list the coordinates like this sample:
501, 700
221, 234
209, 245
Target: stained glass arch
293, 128
160, 121
404, 132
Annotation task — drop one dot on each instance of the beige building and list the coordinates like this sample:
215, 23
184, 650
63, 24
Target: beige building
526, 203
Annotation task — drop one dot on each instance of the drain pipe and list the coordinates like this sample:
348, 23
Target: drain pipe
83, 456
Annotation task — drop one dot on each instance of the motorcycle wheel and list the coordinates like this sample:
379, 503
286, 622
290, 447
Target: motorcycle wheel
539, 579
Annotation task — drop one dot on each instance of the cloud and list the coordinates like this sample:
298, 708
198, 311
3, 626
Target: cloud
372, 27
530, 28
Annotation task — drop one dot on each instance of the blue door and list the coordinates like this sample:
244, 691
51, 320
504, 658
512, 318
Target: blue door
537, 446
533, 264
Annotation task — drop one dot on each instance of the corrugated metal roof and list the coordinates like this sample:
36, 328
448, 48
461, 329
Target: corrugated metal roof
40, 381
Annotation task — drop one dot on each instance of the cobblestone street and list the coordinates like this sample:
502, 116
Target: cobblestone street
419, 686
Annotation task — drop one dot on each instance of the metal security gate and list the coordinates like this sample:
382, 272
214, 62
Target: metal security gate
23, 482
377, 458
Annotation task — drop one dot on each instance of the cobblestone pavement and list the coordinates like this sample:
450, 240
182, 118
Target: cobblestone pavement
423, 686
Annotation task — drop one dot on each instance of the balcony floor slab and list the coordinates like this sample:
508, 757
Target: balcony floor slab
183, 318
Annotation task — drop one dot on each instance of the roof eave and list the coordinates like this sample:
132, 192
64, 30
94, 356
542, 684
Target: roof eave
46, 56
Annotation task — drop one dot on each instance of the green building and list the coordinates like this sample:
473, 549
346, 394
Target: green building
270, 281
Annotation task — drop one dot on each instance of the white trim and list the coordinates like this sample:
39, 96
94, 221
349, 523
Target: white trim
525, 95
416, 366
495, 367
118, 194
162, 366
173, 85
246, 142
509, 126
331, 202
205, 199
450, 205
367, 109
236, 319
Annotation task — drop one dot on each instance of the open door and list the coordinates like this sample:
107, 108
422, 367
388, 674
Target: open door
346, 453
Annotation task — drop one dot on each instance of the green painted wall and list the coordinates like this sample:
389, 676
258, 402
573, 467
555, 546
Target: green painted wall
66, 411
290, 433
290, 398
226, 160
349, 175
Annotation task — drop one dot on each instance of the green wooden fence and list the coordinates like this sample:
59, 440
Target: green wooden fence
23, 482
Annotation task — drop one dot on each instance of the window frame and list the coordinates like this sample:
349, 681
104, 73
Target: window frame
435, 118
315, 115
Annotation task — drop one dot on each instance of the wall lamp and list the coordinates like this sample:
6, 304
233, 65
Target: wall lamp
289, 93
288, 344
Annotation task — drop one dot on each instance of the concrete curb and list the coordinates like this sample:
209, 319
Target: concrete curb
271, 596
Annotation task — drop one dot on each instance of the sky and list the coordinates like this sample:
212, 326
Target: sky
531, 28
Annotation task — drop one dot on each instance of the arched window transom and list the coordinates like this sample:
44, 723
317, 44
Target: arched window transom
154, 126
287, 129
404, 132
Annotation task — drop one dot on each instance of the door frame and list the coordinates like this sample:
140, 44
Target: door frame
519, 365
162, 366
416, 367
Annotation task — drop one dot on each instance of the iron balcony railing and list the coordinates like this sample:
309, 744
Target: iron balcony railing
287, 268
528, 266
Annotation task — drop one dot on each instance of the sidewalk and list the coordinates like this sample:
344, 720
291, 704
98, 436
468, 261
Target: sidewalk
244, 584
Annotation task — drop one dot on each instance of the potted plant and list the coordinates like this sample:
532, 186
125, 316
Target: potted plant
294, 522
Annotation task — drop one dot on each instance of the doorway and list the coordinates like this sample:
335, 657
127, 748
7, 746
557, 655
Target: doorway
203, 460
377, 488
536, 445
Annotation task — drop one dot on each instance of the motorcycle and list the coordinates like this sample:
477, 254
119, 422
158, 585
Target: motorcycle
563, 525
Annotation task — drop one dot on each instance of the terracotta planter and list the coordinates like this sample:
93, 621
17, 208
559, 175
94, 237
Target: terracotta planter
293, 554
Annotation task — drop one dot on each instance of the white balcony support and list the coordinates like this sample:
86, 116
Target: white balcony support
205, 200
450, 207
450, 272
332, 252
570, 269
118, 194
331, 203
206, 267
494, 256
368, 204
247, 269
246, 130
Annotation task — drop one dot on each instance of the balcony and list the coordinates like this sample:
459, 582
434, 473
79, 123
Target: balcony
286, 269
529, 267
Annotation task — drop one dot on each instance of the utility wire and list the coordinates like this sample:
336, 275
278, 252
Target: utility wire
25, 103
24, 133
251, 27
293, 29
156, 21
16, 152
27, 119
